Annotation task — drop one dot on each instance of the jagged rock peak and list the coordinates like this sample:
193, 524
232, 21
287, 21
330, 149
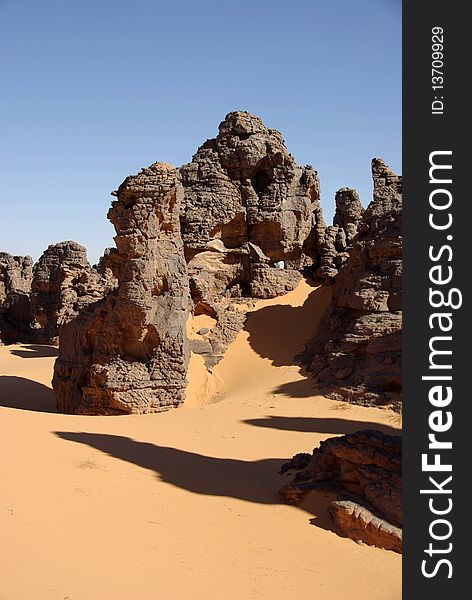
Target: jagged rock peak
263, 196
336, 240
241, 123
387, 191
15, 273
349, 209
381, 170
67, 251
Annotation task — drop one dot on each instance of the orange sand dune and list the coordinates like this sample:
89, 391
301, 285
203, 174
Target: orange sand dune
182, 504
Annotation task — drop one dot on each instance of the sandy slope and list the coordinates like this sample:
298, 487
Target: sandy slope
183, 504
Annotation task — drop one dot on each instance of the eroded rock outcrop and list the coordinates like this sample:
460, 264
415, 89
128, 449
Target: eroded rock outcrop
263, 196
16, 273
128, 353
337, 239
363, 473
356, 354
63, 284
250, 216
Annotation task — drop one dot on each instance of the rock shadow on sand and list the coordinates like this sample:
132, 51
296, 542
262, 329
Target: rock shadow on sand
36, 351
280, 332
24, 394
256, 481
319, 425
252, 481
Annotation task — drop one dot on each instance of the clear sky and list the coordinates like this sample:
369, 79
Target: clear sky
94, 90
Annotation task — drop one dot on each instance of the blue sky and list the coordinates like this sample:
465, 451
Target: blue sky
94, 90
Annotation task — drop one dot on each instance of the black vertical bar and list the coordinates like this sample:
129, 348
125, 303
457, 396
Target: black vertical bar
429, 128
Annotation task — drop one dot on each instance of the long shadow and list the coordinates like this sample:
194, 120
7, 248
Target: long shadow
18, 392
36, 351
256, 481
280, 332
319, 425
304, 388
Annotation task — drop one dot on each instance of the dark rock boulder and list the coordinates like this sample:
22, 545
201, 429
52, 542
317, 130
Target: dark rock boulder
363, 472
128, 353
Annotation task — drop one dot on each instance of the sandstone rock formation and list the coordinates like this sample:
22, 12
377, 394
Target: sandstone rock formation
63, 284
246, 223
128, 353
363, 472
349, 213
249, 218
16, 273
356, 354
336, 241
244, 186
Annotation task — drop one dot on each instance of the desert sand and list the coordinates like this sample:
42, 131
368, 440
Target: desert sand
182, 504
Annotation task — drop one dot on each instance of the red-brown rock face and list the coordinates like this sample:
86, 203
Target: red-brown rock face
356, 354
128, 353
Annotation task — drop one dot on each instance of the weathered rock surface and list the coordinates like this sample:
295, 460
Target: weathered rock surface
250, 216
356, 354
128, 353
336, 241
349, 212
16, 273
230, 319
63, 284
360, 524
363, 471
244, 186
